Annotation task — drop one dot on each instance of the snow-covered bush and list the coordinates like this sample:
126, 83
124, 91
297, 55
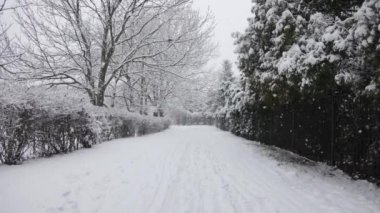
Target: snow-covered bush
35, 123
13, 129
31, 131
115, 125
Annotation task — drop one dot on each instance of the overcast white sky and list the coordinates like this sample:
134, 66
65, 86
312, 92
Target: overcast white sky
230, 16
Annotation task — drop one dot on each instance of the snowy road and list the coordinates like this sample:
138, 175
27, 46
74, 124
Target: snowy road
184, 169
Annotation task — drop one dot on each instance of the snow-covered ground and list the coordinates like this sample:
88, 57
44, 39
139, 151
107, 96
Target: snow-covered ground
184, 169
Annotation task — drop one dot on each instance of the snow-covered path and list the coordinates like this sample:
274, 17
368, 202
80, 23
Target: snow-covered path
184, 169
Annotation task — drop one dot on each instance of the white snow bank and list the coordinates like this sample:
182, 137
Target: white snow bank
184, 169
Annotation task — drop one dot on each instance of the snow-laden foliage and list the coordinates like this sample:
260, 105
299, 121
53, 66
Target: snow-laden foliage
35, 123
310, 81
361, 42
227, 97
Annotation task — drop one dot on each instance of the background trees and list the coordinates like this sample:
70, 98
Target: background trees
91, 45
8, 55
131, 56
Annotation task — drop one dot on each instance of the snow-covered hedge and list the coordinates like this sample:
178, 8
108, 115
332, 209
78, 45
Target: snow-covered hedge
30, 128
184, 117
310, 82
28, 131
114, 125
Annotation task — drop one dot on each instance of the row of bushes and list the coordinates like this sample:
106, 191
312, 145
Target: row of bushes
113, 126
188, 118
28, 130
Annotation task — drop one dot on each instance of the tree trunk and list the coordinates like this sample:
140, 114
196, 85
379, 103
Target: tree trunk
113, 98
100, 98
97, 98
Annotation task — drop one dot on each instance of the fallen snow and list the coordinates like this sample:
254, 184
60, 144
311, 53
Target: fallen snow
184, 169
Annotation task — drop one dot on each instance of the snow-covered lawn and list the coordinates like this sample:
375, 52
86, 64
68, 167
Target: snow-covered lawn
184, 169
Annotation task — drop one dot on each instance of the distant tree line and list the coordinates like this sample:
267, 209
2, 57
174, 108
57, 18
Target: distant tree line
184, 117
310, 82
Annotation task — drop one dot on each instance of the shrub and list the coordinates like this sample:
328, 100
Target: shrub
28, 129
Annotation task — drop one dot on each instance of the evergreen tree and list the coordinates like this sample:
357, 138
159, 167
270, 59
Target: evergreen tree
310, 81
224, 93
339, 8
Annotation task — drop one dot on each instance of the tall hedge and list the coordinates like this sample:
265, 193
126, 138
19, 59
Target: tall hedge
310, 82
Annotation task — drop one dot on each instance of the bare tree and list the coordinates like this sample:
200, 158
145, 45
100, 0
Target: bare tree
7, 54
158, 67
89, 44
